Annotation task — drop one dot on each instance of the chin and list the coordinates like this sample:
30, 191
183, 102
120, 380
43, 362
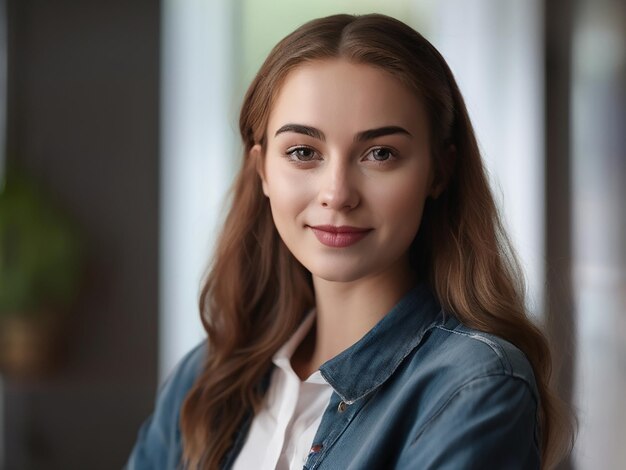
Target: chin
338, 272
337, 278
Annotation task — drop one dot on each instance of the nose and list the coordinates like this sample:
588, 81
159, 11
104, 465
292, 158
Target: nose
338, 190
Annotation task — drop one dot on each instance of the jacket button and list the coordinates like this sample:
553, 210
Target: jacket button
342, 406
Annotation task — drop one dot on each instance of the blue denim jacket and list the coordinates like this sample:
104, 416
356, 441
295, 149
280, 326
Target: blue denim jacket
420, 390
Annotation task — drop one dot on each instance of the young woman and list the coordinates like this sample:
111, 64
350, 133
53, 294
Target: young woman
363, 309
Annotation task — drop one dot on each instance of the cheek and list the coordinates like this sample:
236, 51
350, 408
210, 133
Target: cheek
400, 203
289, 191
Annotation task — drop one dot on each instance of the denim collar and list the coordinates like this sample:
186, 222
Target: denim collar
369, 362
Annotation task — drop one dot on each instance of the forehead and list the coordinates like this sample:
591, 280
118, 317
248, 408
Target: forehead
341, 95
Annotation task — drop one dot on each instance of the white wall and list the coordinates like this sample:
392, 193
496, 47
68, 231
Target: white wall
198, 156
495, 50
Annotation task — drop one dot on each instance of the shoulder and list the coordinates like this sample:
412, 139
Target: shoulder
459, 368
182, 378
473, 388
462, 354
174, 389
158, 442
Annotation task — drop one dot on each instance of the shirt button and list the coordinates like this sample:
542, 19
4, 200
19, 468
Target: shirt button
342, 406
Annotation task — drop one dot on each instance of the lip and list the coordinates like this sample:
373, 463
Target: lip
339, 236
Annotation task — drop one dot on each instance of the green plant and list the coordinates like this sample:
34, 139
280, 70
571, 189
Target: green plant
40, 251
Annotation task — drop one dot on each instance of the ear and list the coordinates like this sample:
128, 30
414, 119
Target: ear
256, 153
446, 168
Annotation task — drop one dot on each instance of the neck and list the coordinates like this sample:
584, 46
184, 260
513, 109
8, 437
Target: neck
346, 311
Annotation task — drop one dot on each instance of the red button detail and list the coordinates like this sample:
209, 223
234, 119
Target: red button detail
316, 448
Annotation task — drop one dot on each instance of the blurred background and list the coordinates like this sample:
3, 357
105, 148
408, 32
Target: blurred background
118, 143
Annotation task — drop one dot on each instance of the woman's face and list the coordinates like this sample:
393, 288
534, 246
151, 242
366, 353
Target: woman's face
347, 169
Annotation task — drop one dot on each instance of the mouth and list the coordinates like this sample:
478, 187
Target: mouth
339, 236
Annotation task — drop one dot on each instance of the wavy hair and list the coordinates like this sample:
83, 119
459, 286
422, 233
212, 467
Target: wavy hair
256, 292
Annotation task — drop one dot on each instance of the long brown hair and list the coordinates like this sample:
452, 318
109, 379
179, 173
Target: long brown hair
256, 292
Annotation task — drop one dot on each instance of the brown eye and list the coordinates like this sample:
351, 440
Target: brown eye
381, 154
302, 154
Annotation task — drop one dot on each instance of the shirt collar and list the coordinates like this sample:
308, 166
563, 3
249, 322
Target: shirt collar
369, 362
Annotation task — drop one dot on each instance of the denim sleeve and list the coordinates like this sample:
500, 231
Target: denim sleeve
158, 443
489, 422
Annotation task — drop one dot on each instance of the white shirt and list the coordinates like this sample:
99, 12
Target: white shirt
281, 434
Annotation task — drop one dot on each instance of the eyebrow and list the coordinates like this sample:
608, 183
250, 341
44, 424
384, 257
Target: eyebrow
380, 132
360, 137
